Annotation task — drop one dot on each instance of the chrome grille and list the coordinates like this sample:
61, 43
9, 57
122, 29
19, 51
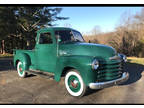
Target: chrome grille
109, 71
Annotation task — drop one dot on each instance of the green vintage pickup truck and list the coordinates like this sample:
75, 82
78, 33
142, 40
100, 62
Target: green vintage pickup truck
62, 52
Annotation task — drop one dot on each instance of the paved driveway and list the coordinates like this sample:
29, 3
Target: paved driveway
37, 90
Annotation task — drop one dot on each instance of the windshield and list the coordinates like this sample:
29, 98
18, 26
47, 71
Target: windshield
69, 36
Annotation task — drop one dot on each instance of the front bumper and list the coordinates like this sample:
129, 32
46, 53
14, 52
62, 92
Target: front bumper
101, 85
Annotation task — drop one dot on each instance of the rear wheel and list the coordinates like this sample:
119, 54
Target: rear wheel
74, 83
20, 70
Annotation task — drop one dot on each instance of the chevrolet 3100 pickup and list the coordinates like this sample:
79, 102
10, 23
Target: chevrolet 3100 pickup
62, 52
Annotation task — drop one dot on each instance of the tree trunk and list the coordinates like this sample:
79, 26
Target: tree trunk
0, 50
28, 44
28, 41
3, 47
0, 47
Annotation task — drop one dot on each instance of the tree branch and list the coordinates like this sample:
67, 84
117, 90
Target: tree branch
35, 24
23, 27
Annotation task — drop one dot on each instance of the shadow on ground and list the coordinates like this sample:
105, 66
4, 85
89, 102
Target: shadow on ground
135, 72
6, 64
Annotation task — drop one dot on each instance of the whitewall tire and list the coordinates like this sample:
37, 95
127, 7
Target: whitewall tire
20, 70
74, 83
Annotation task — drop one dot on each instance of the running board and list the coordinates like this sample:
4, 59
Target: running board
41, 74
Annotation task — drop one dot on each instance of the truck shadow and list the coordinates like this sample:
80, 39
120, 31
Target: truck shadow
6, 64
135, 72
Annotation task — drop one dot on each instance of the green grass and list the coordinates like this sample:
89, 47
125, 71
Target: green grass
135, 60
6, 55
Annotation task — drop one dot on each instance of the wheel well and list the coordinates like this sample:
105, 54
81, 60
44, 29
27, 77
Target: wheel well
65, 70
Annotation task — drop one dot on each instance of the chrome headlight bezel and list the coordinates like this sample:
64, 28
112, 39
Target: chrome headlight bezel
95, 64
124, 58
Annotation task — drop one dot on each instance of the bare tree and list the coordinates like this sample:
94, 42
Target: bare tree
96, 30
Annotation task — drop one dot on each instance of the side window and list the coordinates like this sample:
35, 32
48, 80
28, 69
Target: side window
45, 38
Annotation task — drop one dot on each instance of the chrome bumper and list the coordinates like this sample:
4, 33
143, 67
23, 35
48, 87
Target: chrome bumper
101, 85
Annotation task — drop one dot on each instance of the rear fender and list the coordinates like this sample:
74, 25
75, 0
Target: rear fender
24, 58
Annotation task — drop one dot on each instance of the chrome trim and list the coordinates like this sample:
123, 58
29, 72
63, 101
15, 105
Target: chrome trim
95, 64
114, 58
125, 58
100, 85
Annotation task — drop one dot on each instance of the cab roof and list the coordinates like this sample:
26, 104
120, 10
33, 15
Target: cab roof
54, 28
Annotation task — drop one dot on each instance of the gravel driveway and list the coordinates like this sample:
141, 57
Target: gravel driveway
37, 90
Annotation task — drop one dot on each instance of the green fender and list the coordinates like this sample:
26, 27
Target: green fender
24, 58
80, 63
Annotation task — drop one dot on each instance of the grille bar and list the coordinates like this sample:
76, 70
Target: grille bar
109, 74
110, 67
109, 70
103, 79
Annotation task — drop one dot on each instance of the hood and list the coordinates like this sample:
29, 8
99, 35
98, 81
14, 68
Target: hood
86, 49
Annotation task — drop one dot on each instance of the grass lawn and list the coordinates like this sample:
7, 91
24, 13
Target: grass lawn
6, 55
135, 60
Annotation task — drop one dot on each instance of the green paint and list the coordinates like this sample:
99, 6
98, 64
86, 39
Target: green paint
46, 54
55, 57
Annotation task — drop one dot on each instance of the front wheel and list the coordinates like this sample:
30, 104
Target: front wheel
20, 70
74, 83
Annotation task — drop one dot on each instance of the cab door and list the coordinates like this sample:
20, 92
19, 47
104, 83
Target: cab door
45, 51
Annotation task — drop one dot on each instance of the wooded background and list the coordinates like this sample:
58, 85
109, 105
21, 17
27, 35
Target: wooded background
18, 26
127, 38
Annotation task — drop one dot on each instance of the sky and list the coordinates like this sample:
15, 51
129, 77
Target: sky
84, 19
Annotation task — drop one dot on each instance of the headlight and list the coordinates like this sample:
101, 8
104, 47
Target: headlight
123, 57
95, 64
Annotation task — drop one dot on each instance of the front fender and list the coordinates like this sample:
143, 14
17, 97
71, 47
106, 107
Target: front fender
24, 58
80, 63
